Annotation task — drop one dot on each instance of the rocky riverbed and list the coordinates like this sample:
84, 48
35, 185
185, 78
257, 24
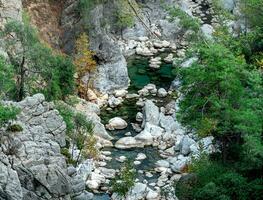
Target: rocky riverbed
145, 130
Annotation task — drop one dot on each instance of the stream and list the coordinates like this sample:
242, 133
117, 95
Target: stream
140, 74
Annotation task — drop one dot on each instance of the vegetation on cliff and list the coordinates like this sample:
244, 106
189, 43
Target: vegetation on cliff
223, 97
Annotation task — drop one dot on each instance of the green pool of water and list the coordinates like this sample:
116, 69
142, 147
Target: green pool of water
141, 74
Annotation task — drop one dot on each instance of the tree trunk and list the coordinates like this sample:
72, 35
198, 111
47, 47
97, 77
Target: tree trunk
21, 86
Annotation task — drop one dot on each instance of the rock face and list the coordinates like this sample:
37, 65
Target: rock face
111, 73
9, 10
31, 164
91, 111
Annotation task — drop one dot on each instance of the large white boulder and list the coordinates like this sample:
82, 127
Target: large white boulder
128, 142
117, 123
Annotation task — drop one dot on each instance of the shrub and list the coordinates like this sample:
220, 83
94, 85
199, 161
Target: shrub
14, 128
7, 113
67, 114
122, 183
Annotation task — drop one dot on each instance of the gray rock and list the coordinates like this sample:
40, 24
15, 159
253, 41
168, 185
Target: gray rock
35, 154
139, 191
228, 4
128, 142
189, 62
162, 163
207, 31
117, 123
139, 117
162, 93
84, 196
10, 186
185, 144
114, 102
150, 113
178, 163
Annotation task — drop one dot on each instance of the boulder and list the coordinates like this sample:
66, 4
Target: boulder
139, 191
185, 144
114, 102
207, 31
139, 117
179, 163
144, 138
162, 93
162, 163
229, 5
150, 113
128, 142
120, 93
117, 123
152, 195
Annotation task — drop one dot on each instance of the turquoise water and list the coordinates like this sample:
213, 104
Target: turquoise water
141, 74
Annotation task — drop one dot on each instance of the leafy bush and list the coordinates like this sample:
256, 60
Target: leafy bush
186, 21
7, 83
7, 113
67, 114
122, 183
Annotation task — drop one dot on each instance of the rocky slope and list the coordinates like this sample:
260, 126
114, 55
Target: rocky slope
31, 164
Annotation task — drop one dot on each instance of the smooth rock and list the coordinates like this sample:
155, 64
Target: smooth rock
117, 123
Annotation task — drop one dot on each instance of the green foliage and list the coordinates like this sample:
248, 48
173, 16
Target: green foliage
66, 153
223, 97
80, 131
72, 100
67, 114
187, 22
7, 113
36, 67
220, 13
216, 181
6, 78
253, 11
213, 88
124, 15
60, 80
14, 128
122, 183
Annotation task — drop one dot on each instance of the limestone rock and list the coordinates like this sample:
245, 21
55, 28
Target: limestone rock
128, 142
117, 123
38, 167
150, 113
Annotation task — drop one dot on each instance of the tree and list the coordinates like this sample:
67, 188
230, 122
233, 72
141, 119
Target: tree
37, 68
60, 80
84, 63
22, 45
7, 83
216, 89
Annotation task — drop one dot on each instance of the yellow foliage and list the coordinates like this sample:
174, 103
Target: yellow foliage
90, 149
84, 57
83, 62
